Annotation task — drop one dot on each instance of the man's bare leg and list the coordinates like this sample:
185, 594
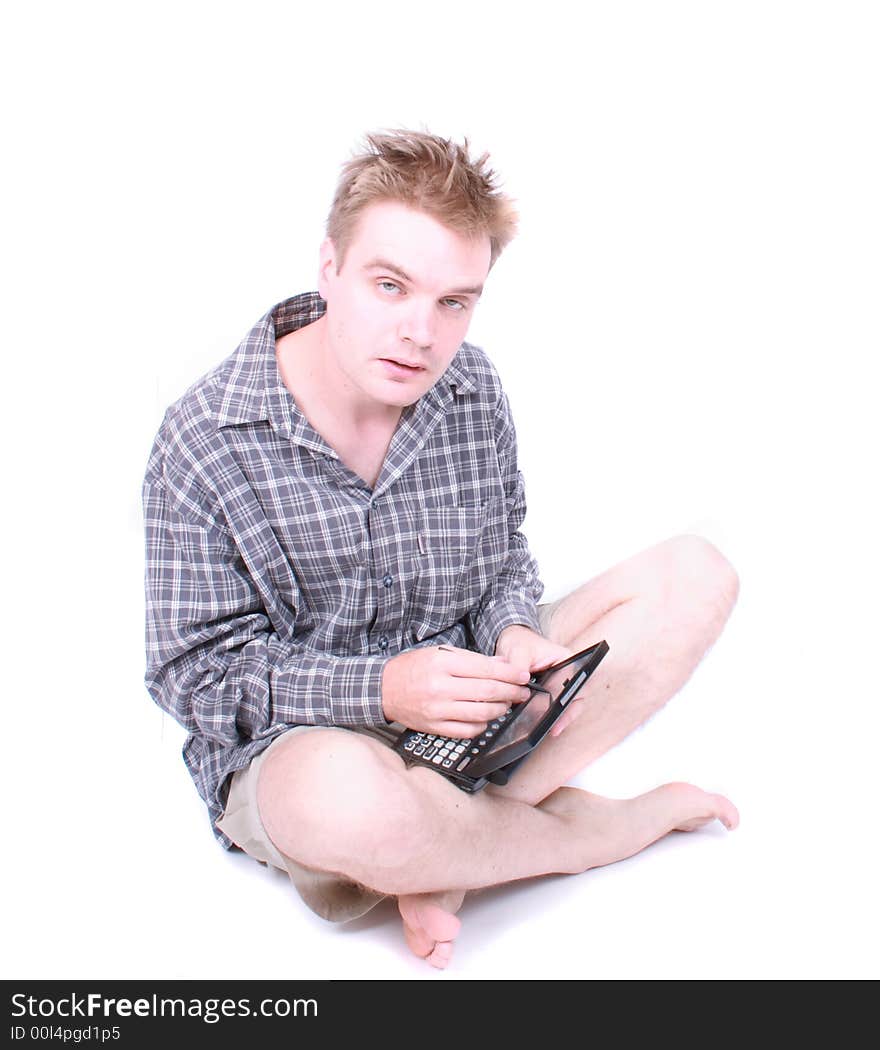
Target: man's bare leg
618, 829
660, 612
408, 832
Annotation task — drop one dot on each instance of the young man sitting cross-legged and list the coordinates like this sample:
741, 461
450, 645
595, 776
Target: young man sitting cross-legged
334, 552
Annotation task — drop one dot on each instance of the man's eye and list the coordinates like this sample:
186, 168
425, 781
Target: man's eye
389, 286
455, 304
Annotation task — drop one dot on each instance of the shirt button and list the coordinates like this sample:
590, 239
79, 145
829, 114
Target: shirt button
383, 642
388, 579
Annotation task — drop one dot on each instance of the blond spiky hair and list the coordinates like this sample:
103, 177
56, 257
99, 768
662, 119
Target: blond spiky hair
426, 172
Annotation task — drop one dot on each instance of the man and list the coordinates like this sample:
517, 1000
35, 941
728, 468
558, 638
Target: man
334, 552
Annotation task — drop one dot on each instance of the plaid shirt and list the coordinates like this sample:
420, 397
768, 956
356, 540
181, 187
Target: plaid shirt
278, 583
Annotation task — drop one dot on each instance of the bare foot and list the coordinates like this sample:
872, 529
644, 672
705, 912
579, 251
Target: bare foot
600, 830
709, 807
606, 830
430, 925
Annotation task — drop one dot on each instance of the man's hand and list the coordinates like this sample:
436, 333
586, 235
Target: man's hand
449, 691
527, 650
523, 647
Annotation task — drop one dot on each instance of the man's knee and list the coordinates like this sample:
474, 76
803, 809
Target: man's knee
695, 568
338, 801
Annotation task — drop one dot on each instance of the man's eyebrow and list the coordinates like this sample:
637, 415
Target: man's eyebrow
384, 264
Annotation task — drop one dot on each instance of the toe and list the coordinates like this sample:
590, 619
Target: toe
438, 924
429, 929
728, 813
441, 955
418, 941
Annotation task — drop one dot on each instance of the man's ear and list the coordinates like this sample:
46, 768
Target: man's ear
326, 266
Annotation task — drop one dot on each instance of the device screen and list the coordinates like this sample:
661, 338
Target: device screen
550, 684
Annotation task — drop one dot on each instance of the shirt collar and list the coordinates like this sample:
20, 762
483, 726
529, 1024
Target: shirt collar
252, 378
253, 390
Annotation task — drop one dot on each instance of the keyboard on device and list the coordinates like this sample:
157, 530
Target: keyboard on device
450, 752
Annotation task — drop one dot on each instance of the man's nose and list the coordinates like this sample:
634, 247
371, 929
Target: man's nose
418, 324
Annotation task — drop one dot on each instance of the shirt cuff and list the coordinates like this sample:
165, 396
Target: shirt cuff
356, 691
330, 690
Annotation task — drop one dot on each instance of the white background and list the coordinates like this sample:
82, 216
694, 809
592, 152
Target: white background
687, 326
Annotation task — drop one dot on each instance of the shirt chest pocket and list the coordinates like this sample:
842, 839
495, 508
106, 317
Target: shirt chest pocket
460, 550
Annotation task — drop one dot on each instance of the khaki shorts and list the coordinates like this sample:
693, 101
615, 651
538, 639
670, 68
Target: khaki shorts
329, 895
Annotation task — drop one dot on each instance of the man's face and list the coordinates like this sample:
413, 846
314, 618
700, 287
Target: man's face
400, 306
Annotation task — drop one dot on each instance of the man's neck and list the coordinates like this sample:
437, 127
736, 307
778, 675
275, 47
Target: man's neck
359, 432
321, 390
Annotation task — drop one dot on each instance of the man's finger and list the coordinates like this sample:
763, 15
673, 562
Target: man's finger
459, 730
465, 664
549, 661
566, 720
485, 690
474, 711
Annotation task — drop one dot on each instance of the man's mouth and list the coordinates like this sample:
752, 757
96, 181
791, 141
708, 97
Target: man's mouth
408, 366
